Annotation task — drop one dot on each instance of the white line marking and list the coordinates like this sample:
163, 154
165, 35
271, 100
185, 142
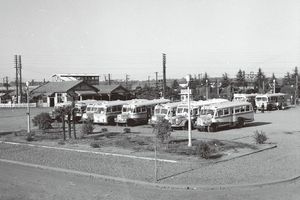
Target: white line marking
93, 152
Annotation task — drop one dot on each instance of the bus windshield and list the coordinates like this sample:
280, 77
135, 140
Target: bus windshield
100, 110
126, 109
207, 112
261, 99
157, 111
164, 111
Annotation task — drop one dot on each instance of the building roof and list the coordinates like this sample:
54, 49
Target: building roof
106, 89
74, 75
59, 87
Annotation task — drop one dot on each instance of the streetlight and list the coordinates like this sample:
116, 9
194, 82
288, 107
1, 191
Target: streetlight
189, 111
28, 108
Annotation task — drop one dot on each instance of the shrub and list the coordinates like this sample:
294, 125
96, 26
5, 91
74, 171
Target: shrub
61, 142
42, 120
162, 130
29, 138
204, 150
87, 128
260, 137
126, 130
104, 130
95, 144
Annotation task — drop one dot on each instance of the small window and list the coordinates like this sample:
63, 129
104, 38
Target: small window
226, 111
220, 113
243, 108
247, 108
237, 110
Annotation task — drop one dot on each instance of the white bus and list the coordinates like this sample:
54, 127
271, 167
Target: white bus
106, 112
138, 112
272, 101
235, 113
90, 109
164, 111
181, 118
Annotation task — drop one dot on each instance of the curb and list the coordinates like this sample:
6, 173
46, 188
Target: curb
157, 185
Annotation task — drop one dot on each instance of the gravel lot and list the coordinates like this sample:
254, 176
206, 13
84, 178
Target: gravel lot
282, 128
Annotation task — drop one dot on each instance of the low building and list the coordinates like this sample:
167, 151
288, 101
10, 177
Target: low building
92, 79
52, 94
113, 92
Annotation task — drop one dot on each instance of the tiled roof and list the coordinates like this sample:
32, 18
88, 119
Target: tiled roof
105, 89
56, 87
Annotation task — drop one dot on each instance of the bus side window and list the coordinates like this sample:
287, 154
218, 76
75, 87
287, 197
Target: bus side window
226, 111
243, 109
237, 110
108, 109
247, 108
220, 113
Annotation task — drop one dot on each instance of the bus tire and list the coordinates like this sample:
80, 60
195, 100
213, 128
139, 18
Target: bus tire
186, 126
212, 128
111, 121
241, 123
130, 122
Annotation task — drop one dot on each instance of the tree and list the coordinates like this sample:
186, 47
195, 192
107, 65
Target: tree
225, 82
287, 80
240, 78
260, 80
162, 130
205, 80
59, 114
175, 85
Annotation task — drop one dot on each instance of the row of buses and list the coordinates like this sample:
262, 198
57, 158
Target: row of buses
206, 115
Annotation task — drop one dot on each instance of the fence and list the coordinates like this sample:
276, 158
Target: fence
19, 105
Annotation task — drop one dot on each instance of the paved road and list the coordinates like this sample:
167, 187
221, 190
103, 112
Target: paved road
22, 182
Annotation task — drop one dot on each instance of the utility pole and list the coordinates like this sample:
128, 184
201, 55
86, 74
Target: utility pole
126, 79
108, 79
149, 81
20, 80
6, 81
296, 85
17, 78
164, 75
156, 83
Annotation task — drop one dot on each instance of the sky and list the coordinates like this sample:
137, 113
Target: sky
129, 36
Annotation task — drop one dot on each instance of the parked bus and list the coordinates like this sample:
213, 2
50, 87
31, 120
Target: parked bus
235, 113
164, 111
90, 109
138, 112
106, 112
272, 101
181, 118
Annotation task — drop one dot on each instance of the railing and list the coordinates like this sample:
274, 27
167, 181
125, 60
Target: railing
19, 105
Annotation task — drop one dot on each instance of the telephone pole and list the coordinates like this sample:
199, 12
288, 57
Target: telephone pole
108, 79
126, 79
156, 83
17, 78
164, 75
296, 86
20, 80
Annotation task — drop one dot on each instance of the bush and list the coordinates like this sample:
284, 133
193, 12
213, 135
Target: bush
126, 130
260, 137
61, 142
95, 144
42, 120
162, 130
104, 130
29, 138
87, 128
204, 150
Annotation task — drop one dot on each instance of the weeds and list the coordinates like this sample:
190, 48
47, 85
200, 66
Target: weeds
126, 130
95, 144
260, 137
204, 150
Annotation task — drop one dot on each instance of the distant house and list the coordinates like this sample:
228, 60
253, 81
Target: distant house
113, 92
92, 79
54, 93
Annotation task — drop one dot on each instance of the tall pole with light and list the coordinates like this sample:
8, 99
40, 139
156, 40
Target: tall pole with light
189, 111
206, 81
28, 108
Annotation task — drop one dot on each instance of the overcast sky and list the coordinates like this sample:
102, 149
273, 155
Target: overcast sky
129, 36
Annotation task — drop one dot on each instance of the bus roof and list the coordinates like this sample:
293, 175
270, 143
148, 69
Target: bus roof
205, 102
227, 104
244, 95
143, 102
271, 95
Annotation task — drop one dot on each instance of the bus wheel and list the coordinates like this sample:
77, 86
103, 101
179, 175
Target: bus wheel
186, 126
131, 122
111, 121
241, 123
212, 128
